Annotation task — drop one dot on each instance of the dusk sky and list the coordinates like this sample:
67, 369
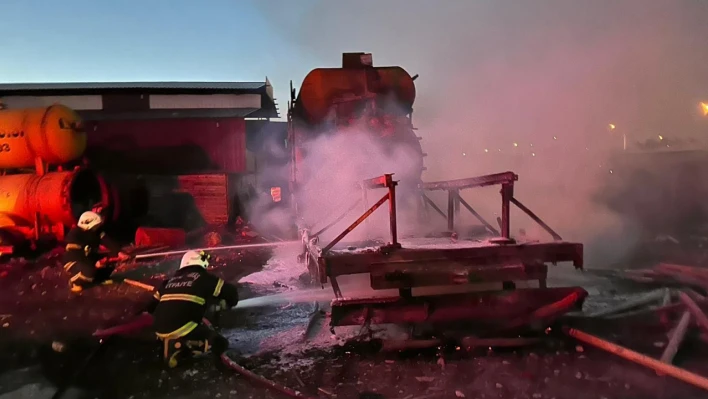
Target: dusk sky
524, 85
492, 72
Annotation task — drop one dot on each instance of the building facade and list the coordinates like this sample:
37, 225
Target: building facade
172, 139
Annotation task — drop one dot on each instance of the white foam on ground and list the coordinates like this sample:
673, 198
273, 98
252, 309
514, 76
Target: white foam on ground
282, 267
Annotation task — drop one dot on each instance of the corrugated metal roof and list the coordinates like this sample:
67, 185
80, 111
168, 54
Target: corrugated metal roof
133, 85
168, 114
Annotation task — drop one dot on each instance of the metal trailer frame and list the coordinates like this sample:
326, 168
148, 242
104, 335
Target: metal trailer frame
394, 266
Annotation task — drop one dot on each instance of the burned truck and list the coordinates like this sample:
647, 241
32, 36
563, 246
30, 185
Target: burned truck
381, 99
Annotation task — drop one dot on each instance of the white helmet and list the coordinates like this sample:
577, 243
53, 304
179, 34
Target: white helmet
89, 220
194, 258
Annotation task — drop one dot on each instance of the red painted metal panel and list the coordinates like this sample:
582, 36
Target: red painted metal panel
169, 145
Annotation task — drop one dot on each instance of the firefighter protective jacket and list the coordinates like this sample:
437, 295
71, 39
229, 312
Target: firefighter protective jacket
83, 245
181, 302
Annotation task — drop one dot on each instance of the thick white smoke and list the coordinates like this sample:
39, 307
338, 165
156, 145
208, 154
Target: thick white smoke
548, 75
334, 166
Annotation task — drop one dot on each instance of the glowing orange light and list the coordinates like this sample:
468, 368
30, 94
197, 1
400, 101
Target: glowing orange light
612, 126
661, 137
275, 194
704, 107
516, 144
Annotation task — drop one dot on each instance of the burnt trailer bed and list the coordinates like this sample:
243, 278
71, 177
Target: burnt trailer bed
444, 261
435, 262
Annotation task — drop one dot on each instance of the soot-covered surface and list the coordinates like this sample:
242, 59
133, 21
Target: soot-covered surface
276, 343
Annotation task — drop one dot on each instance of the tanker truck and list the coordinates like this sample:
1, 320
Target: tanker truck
376, 101
39, 196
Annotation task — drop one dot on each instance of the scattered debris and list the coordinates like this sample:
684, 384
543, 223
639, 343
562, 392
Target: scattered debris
636, 357
261, 380
676, 339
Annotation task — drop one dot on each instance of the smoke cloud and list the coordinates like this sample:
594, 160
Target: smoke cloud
530, 87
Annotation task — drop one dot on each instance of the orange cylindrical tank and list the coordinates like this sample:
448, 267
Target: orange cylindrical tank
322, 86
58, 197
53, 134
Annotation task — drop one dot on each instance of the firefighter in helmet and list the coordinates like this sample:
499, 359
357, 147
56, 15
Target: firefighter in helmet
180, 305
82, 258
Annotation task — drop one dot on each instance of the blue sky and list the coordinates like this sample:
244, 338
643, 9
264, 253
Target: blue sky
149, 40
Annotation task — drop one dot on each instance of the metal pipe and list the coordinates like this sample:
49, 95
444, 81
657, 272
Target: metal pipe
243, 246
507, 193
338, 219
430, 202
478, 216
450, 210
535, 218
392, 214
657, 365
356, 223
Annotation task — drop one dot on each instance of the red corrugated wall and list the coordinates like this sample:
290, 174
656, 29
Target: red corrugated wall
168, 145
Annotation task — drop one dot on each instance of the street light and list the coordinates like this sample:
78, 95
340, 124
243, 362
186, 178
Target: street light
624, 136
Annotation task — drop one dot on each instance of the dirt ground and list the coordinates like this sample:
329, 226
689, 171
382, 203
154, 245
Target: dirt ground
45, 338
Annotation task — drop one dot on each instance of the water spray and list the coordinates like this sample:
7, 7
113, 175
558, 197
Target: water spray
242, 246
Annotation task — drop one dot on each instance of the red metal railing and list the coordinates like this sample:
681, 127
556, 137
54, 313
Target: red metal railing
454, 200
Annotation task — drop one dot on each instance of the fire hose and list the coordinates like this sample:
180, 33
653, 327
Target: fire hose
241, 246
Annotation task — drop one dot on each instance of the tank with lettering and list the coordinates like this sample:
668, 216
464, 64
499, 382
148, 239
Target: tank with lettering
53, 134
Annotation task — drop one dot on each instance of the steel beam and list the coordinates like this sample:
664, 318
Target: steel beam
480, 181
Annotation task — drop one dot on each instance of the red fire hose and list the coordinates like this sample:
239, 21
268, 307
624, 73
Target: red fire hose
251, 376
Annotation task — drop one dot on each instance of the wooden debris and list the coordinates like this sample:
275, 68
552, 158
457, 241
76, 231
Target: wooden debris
690, 275
676, 338
695, 310
656, 365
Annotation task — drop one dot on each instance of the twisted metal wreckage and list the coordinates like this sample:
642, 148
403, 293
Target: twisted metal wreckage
405, 265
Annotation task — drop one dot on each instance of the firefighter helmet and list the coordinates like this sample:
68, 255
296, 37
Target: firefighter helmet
195, 258
89, 220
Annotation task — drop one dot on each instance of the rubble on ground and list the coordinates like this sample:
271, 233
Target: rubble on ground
289, 342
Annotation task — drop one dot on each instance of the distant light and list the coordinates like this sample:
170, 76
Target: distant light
499, 150
486, 150
704, 107
612, 126
611, 171
555, 138
531, 144
661, 137
588, 149
516, 144
533, 154
464, 154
